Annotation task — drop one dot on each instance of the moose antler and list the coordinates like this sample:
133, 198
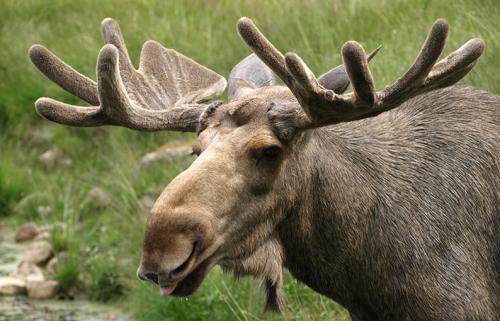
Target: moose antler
324, 107
163, 94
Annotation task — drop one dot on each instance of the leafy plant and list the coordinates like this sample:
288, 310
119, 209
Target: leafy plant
104, 283
68, 273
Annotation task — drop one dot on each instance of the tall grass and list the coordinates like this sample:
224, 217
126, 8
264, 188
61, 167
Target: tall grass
107, 157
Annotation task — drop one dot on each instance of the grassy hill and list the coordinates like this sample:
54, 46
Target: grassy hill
104, 242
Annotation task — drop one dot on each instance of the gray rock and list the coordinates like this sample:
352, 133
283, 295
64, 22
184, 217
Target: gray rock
11, 286
147, 201
42, 289
26, 232
97, 197
166, 153
39, 253
42, 236
42, 134
54, 158
56, 260
53, 264
28, 271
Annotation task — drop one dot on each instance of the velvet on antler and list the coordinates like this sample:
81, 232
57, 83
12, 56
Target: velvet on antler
320, 106
165, 93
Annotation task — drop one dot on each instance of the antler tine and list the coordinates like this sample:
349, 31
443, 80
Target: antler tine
456, 65
70, 115
416, 75
112, 92
305, 80
113, 35
337, 79
263, 48
356, 64
63, 75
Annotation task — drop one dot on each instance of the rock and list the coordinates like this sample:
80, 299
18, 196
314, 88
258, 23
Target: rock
11, 286
42, 289
53, 158
42, 236
147, 201
28, 272
53, 264
56, 260
39, 253
42, 134
26, 232
97, 197
166, 153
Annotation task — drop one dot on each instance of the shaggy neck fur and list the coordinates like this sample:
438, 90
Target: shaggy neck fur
396, 217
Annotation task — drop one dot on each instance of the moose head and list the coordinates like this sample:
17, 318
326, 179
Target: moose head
250, 175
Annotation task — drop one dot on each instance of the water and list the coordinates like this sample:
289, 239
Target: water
20, 308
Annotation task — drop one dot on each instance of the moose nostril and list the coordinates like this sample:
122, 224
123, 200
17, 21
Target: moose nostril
153, 277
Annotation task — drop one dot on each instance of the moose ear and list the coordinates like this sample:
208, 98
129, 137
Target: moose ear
249, 74
337, 79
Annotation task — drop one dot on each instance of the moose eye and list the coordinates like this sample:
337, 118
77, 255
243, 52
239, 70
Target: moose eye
272, 153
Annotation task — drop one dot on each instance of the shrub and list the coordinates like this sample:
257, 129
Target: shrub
59, 241
68, 273
105, 283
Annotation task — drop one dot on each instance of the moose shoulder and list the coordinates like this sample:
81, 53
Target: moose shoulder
387, 202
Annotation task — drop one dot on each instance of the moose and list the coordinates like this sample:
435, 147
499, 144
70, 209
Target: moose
387, 202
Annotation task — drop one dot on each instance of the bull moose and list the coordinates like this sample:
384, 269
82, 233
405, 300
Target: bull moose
384, 201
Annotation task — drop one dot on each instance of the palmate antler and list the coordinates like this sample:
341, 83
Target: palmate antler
163, 94
324, 107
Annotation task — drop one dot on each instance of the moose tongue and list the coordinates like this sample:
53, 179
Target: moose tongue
167, 290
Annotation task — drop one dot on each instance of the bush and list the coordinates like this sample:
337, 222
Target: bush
11, 191
68, 273
104, 281
59, 241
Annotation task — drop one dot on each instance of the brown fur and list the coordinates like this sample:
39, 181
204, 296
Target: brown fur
395, 216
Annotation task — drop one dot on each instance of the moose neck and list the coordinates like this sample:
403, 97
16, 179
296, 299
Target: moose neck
335, 193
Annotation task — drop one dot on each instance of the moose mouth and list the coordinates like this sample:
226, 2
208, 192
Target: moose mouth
190, 282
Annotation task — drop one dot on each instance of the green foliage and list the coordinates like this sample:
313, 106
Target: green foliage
68, 273
10, 193
12, 188
104, 281
222, 298
59, 241
107, 158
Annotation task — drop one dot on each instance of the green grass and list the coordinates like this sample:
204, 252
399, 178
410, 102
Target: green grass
107, 157
105, 283
68, 274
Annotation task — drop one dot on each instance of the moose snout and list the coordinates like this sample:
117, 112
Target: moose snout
147, 276
169, 273
173, 243
162, 277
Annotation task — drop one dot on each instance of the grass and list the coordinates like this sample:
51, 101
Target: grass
105, 283
107, 157
68, 274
